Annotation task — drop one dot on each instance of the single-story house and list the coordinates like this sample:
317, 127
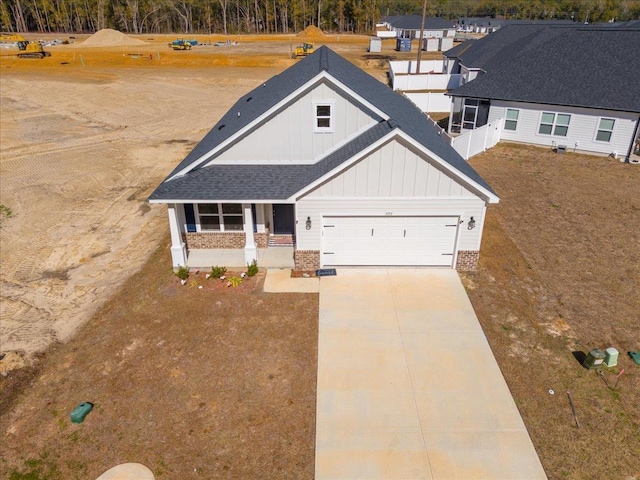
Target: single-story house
410, 26
344, 168
572, 86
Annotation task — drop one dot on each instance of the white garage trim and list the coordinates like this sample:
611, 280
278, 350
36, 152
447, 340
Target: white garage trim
389, 240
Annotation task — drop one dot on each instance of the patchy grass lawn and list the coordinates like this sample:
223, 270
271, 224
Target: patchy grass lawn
218, 382
560, 273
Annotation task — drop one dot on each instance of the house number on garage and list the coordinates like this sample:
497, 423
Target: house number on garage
388, 213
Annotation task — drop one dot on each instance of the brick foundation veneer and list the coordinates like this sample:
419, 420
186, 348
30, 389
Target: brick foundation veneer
215, 240
467, 260
306, 260
262, 239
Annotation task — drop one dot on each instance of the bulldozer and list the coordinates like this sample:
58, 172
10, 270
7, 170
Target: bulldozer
181, 44
31, 49
302, 50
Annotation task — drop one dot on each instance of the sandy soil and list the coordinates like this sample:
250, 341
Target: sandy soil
86, 134
79, 155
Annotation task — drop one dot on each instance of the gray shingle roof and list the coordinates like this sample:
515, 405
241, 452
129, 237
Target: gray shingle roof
592, 67
275, 182
258, 180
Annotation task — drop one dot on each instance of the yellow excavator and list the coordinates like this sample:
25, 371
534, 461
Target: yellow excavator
31, 49
302, 50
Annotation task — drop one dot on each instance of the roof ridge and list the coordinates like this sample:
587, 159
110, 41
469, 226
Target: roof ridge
324, 59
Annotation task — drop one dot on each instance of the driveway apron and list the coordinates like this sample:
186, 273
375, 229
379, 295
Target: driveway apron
408, 387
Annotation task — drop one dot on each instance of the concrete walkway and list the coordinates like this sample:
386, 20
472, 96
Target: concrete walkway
407, 385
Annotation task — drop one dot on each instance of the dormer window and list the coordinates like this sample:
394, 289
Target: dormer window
323, 117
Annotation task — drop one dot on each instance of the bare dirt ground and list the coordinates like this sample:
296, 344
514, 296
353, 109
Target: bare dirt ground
86, 134
218, 382
559, 273
222, 385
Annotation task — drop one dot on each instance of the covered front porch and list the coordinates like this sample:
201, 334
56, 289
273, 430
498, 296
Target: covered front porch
276, 257
206, 234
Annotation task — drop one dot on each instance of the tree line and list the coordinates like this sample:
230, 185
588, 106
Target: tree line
280, 16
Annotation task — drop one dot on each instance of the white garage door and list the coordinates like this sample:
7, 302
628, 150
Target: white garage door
428, 241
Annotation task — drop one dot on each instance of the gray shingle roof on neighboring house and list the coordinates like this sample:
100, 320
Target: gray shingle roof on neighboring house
258, 184
591, 67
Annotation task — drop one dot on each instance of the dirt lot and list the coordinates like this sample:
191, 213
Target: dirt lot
559, 273
86, 135
224, 383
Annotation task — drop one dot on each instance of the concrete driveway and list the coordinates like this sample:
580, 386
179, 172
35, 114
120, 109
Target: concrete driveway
407, 385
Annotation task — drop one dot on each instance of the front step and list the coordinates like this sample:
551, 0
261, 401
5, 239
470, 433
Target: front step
282, 240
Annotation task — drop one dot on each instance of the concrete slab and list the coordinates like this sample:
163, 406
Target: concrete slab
280, 281
128, 471
408, 386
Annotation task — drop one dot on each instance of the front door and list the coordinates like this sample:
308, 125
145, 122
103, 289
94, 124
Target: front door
283, 221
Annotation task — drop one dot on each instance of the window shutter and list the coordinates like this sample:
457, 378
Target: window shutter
190, 217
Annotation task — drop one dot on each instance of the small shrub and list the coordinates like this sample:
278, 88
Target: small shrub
5, 213
252, 269
217, 272
182, 273
234, 282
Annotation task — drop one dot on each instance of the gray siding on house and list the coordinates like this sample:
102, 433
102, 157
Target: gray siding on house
582, 128
289, 136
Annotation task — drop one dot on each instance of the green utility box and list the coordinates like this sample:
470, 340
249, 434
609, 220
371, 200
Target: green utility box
611, 357
594, 359
81, 411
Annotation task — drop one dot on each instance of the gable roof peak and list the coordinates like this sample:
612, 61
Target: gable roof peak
324, 58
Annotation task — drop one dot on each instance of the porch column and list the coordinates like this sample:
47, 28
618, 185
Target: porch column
453, 99
260, 218
250, 250
178, 248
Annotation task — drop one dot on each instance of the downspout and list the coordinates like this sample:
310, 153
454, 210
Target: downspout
633, 140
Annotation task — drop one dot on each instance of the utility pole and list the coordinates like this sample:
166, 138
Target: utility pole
424, 16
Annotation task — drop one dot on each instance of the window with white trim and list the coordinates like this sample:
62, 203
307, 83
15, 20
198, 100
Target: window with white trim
323, 117
554, 124
605, 130
511, 120
220, 217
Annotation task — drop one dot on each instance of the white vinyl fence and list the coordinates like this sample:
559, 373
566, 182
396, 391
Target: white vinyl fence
410, 66
430, 101
434, 81
473, 142
386, 34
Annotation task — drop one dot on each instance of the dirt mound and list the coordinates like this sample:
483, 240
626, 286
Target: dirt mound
312, 32
108, 37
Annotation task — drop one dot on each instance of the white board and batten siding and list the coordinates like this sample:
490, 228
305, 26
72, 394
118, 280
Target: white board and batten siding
289, 136
393, 191
583, 127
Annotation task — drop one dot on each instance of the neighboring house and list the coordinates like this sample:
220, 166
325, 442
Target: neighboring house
409, 26
489, 25
327, 156
573, 87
